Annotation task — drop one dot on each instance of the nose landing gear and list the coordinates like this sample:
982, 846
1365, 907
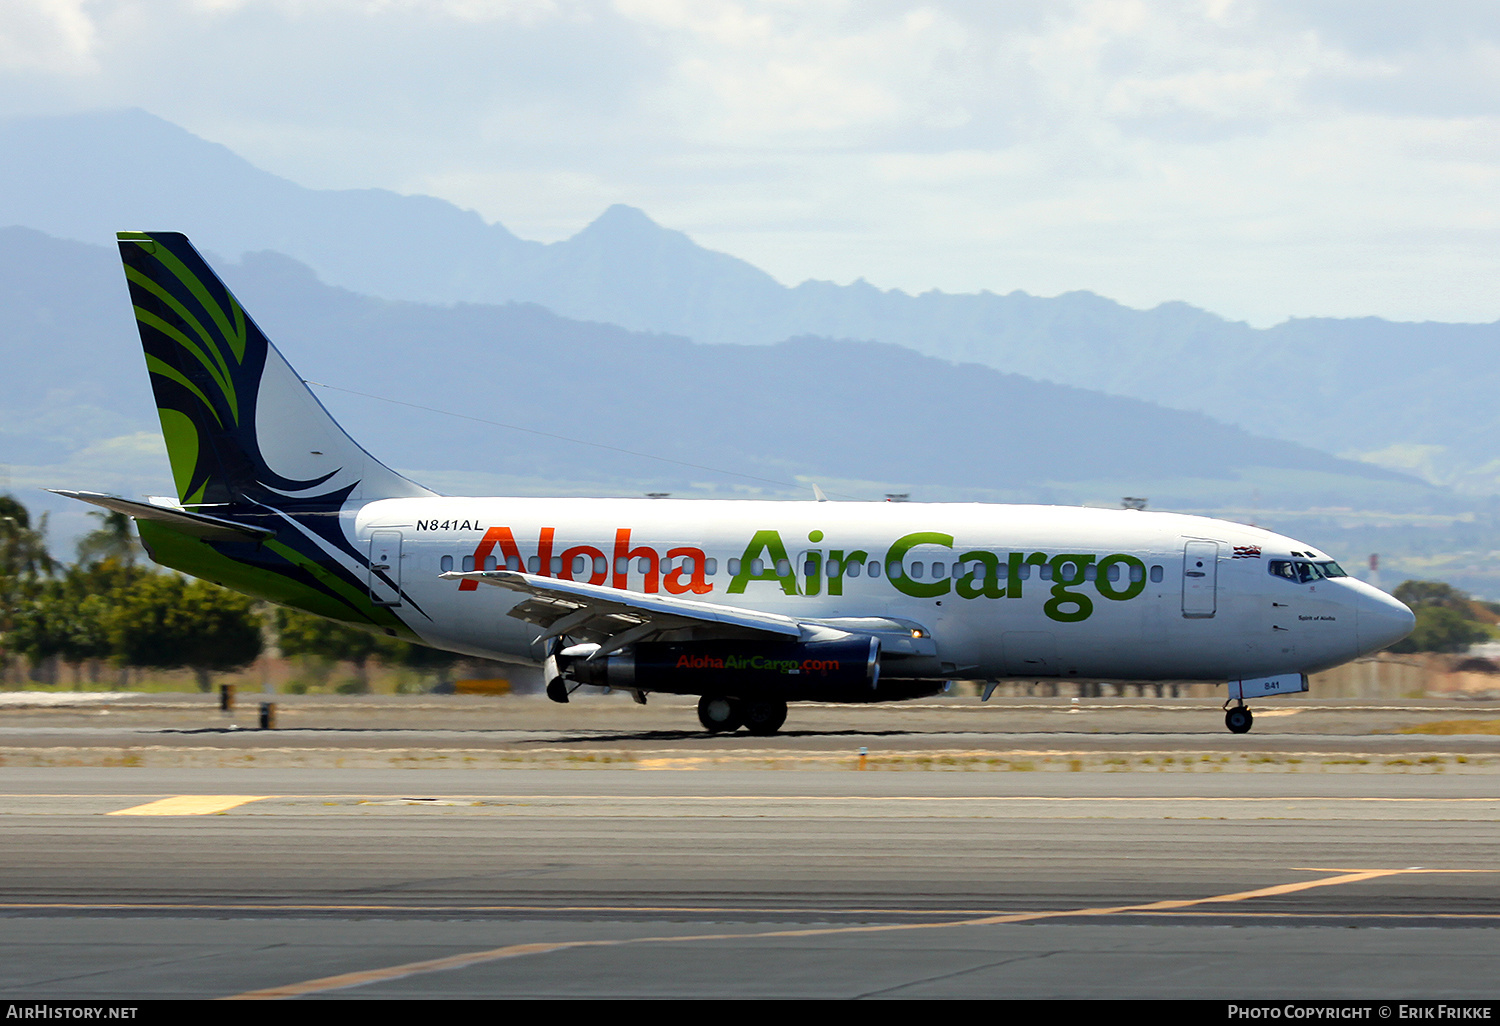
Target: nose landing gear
1239, 719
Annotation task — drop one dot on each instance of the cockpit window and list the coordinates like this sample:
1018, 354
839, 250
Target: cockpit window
1304, 572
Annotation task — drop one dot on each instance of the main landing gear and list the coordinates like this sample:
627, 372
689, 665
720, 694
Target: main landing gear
760, 716
1239, 719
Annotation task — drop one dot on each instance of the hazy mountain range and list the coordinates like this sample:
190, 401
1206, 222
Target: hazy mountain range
1414, 396
861, 417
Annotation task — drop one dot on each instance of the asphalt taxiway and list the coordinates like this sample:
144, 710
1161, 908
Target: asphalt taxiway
628, 877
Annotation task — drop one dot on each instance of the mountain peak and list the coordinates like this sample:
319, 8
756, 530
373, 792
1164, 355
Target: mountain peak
622, 223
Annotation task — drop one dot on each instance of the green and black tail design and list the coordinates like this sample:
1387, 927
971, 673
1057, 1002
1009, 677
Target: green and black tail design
239, 423
249, 443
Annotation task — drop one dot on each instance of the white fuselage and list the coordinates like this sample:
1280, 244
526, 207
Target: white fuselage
1041, 591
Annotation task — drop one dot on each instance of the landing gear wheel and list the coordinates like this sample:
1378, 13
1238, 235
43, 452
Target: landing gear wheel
1238, 720
719, 715
764, 716
558, 690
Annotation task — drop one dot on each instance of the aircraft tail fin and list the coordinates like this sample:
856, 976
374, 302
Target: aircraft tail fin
239, 423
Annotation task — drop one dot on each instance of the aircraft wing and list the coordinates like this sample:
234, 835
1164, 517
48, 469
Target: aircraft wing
616, 618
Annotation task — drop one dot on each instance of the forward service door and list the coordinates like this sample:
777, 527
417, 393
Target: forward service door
1200, 579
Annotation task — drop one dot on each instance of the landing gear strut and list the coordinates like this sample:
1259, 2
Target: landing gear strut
1238, 719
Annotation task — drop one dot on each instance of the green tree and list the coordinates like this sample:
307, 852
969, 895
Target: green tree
1420, 594
165, 621
114, 539
304, 634
24, 565
1445, 618
23, 549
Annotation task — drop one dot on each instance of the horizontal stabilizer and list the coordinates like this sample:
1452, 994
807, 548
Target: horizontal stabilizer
199, 525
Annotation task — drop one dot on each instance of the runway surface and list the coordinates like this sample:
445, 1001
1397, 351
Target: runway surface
619, 881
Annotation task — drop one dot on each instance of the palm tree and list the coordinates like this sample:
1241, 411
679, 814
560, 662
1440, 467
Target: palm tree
23, 551
24, 561
113, 539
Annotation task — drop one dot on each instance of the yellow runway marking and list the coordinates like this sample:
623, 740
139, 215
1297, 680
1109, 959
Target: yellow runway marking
190, 805
358, 979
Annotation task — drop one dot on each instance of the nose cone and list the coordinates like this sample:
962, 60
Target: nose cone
1382, 620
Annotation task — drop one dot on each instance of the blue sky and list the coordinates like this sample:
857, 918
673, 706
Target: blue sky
1259, 159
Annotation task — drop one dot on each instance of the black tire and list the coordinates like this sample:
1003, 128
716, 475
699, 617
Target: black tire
764, 716
1239, 720
719, 715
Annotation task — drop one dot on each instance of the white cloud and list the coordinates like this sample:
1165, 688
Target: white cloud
1258, 157
47, 36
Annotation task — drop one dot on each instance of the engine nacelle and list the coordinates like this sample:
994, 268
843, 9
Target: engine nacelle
845, 670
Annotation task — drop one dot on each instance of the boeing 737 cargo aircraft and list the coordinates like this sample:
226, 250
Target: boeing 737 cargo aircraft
747, 604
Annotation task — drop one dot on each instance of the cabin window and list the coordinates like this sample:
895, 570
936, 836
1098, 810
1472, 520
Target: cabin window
1156, 575
874, 568
622, 565
853, 569
468, 564
937, 570
1137, 573
556, 566
810, 567
534, 565
833, 569
734, 566
489, 562
643, 565
710, 566
757, 568
1046, 571
783, 568
601, 566
687, 566
513, 563
1091, 572
916, 571
447, 564
894, 569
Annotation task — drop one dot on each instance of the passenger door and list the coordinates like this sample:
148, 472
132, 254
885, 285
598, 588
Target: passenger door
385, 568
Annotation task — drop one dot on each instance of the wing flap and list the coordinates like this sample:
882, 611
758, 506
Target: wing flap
600, 613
